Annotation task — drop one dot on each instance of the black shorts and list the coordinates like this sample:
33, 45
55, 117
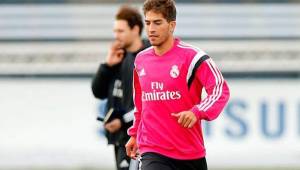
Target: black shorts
154, 161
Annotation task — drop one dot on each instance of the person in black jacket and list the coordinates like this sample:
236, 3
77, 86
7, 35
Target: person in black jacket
113, 80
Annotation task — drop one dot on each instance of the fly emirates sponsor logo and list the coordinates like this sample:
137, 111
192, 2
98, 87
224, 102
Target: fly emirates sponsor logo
158, 93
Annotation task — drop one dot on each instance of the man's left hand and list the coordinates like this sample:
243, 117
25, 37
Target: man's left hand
186, 119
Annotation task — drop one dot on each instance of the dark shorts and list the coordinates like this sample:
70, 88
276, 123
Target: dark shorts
154, 161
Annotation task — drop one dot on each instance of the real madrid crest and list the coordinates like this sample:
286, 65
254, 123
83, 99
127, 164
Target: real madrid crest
174, 73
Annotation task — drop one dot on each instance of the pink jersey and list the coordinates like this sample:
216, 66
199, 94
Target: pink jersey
170, 84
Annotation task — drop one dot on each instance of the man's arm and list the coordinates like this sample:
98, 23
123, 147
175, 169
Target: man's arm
131, 146
132, 131
101, 81
216, 88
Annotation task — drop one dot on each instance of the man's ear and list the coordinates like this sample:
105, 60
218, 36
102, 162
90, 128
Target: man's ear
136, 29
172, 26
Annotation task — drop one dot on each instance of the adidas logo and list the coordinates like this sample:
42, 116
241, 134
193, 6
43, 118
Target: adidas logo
142, 72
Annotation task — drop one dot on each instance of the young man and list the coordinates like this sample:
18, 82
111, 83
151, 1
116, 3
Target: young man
113, 79
168, 81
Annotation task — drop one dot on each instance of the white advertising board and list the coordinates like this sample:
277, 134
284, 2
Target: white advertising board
259, 127
52, 123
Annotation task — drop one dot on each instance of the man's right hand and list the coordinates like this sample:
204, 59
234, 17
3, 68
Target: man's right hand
115, 54
131, 148
113, 126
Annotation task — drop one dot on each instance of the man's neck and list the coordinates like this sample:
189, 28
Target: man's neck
135, 46
164, 47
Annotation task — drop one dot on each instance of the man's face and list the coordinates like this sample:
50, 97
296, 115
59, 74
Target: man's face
158, 28
123, 33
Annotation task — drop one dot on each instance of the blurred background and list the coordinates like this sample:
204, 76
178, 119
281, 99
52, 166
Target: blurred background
50, 49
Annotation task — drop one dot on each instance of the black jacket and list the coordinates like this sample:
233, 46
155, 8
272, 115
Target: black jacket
115, 84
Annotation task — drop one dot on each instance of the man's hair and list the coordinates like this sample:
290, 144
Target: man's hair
165, 7
131, 15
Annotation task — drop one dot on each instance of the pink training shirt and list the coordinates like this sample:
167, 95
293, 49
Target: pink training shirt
172, 83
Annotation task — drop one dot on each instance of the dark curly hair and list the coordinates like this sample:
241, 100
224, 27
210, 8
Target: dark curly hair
165, 7
131, 15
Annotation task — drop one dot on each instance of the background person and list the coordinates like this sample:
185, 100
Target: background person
113, 79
